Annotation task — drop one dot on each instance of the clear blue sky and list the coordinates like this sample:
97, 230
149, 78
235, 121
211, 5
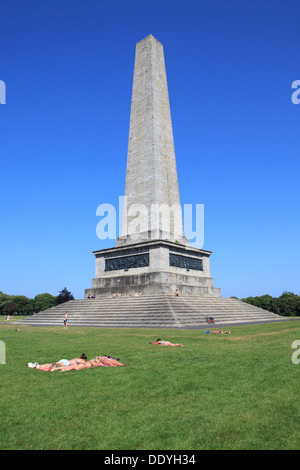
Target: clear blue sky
68, 70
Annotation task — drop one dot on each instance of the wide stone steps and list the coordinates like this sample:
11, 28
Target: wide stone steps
161, 311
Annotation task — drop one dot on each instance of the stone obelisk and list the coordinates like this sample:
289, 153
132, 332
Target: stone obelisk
152, 209
152, 255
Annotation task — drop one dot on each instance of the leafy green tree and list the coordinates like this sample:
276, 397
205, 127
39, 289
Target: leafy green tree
25, 305
64, 296
43, 302
9, 307
288, 304
4, 299
252, 301
265, 301
274, 306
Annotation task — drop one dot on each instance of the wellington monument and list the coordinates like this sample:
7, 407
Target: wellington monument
152, 254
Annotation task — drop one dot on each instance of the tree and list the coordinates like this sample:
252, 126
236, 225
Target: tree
25, 305
4, 299
64, 296
9, 307
43, 302
288, 304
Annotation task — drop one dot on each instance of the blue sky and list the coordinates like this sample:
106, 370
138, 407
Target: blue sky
68, 70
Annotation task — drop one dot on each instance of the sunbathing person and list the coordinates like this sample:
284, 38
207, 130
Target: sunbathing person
62, 363
73, 362
53, 366
220, 332
106, 361
165, 343
109, 361
86, 365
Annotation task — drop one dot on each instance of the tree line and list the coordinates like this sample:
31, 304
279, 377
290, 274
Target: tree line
288, 304
22, 305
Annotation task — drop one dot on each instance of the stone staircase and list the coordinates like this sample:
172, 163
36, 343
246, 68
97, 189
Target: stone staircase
160, 311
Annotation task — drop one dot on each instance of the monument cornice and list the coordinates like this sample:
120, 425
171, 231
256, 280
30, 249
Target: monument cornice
154, 244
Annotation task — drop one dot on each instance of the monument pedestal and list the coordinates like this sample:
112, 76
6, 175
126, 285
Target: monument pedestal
153, 267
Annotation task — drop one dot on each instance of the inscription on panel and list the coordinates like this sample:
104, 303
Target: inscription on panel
186, 262
127, 262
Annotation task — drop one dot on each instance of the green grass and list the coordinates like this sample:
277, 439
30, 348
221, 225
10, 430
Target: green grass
238, 391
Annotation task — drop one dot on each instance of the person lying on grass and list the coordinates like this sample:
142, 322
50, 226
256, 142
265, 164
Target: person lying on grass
221, 332
87, 365
98, 361
80, 363
109, 361
165, 343
62, 363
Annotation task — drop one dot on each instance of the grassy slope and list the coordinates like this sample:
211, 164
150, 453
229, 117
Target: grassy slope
237, 391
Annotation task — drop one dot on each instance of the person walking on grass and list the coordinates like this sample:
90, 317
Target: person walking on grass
66, 320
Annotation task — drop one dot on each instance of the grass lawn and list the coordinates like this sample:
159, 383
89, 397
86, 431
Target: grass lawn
237, 391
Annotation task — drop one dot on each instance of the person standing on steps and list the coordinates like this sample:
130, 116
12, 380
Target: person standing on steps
66, 320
